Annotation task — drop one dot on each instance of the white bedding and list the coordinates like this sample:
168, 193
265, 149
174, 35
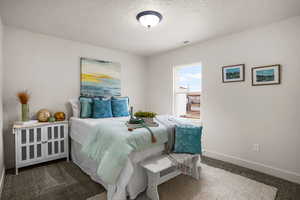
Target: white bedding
132, 180
80, 127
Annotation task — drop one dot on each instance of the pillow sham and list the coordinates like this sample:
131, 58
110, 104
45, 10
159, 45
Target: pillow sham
102, 108
86, 105
188, 139
75, 105
120, 106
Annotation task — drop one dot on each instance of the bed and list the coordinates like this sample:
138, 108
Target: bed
132, 179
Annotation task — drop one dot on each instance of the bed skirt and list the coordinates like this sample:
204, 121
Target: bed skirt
132, 180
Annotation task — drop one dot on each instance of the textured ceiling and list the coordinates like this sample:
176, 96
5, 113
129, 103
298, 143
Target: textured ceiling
112, 23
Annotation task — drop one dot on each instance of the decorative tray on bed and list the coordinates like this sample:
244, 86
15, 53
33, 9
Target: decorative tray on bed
135, 126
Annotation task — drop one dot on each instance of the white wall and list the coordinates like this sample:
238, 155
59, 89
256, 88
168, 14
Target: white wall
238, 115
49, 68
1, 115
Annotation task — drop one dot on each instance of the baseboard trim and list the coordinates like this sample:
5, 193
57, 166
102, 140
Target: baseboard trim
2, 182
281, 173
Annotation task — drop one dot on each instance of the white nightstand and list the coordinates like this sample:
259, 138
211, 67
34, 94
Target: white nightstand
40, 142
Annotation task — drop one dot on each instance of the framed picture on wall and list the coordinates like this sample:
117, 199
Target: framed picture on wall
99, 78
266, 75
233, 73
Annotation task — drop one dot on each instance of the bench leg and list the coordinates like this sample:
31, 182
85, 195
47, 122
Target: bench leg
152, 191
110, 191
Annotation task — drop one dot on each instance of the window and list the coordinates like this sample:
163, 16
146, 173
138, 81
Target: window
187, 90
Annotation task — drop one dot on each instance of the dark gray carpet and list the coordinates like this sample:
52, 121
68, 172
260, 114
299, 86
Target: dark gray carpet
61, 180
58, 180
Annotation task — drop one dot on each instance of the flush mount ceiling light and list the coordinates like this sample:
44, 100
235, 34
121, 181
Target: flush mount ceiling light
149, 18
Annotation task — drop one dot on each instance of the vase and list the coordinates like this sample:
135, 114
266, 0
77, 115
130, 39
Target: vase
25, 112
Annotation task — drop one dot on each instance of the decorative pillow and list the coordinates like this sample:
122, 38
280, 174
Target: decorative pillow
120, 107
119, 97
188, 139
102, 108
86, 105
75, 104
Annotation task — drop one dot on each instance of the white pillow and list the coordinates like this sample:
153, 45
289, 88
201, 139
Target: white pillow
75, 104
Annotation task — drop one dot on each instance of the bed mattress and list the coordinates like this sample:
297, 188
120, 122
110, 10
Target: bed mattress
132, 180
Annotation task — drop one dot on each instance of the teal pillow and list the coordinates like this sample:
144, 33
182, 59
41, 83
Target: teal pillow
102, 108
120, 107
120, 97
188, 139
86, 107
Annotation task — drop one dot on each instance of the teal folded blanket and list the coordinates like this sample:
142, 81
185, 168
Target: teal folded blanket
110, 144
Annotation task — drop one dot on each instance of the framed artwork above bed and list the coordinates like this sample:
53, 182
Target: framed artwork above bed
99, 78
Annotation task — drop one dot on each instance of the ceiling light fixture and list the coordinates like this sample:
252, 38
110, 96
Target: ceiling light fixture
149, 18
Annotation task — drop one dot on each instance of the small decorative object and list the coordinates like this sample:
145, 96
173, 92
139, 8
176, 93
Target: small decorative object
60, 116
24, 98
146, 116
135, 123
43, 115
133, 120
266, 75
51, 119
233, 73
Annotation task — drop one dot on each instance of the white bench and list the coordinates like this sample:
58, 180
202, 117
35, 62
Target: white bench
160, 169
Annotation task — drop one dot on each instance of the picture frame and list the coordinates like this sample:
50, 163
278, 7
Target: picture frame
233, 73
99, 78
266, 75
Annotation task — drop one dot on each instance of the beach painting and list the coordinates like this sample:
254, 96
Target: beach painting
100, 78
233, 73
266, 75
